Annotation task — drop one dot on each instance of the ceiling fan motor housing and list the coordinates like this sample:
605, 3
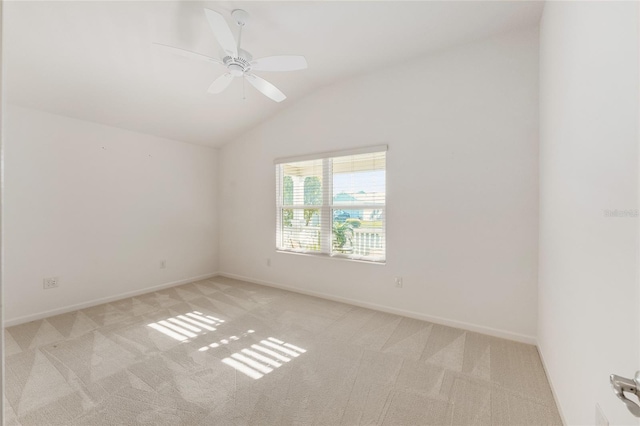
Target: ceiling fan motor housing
239, 65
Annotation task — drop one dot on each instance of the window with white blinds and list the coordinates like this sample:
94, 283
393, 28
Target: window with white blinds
333, 204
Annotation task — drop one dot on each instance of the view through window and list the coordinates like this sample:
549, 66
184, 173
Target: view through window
334, 205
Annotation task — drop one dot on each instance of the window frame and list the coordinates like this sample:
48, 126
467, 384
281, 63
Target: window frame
328, 206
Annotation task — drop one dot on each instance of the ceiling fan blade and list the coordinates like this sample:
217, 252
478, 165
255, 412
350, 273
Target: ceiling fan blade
267, 89
280, 63
220, 83
222, 32
188, 54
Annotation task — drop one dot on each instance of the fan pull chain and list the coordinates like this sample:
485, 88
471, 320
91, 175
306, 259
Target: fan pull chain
243, 91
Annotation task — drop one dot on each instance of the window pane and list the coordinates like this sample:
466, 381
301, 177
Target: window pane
302, 183
301, 229
352, 225
359, 180
359, 237
287, 191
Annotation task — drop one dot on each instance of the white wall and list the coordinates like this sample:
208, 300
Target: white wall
588, 281
1, 228
99, 207
462, 213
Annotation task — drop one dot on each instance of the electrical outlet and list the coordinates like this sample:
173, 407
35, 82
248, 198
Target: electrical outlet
163, 264
49, 283
398, 281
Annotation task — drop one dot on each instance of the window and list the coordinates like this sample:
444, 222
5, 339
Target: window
333, 204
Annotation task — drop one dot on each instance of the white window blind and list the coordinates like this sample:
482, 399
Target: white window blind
333, 205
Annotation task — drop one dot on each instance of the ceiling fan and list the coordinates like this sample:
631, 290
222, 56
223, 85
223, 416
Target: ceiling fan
239, 62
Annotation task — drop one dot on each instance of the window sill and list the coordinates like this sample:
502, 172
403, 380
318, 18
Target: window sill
333, 256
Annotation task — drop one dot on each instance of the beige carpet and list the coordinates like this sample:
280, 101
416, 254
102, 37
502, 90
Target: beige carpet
220, 352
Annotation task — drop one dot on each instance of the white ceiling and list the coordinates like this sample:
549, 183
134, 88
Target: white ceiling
95, 60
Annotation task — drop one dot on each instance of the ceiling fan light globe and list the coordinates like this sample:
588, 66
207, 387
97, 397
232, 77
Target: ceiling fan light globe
236, 70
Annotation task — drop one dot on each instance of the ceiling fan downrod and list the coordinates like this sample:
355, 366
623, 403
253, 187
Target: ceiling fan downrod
241, 17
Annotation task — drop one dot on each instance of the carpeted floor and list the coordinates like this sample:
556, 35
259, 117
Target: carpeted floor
221, 351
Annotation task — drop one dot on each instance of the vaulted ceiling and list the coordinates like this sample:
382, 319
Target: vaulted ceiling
96, 60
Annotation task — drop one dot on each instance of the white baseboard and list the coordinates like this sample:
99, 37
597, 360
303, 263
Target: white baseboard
411, 314
70, 308
553, 389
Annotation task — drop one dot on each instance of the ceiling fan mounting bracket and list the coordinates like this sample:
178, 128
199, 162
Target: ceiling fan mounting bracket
240, 17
